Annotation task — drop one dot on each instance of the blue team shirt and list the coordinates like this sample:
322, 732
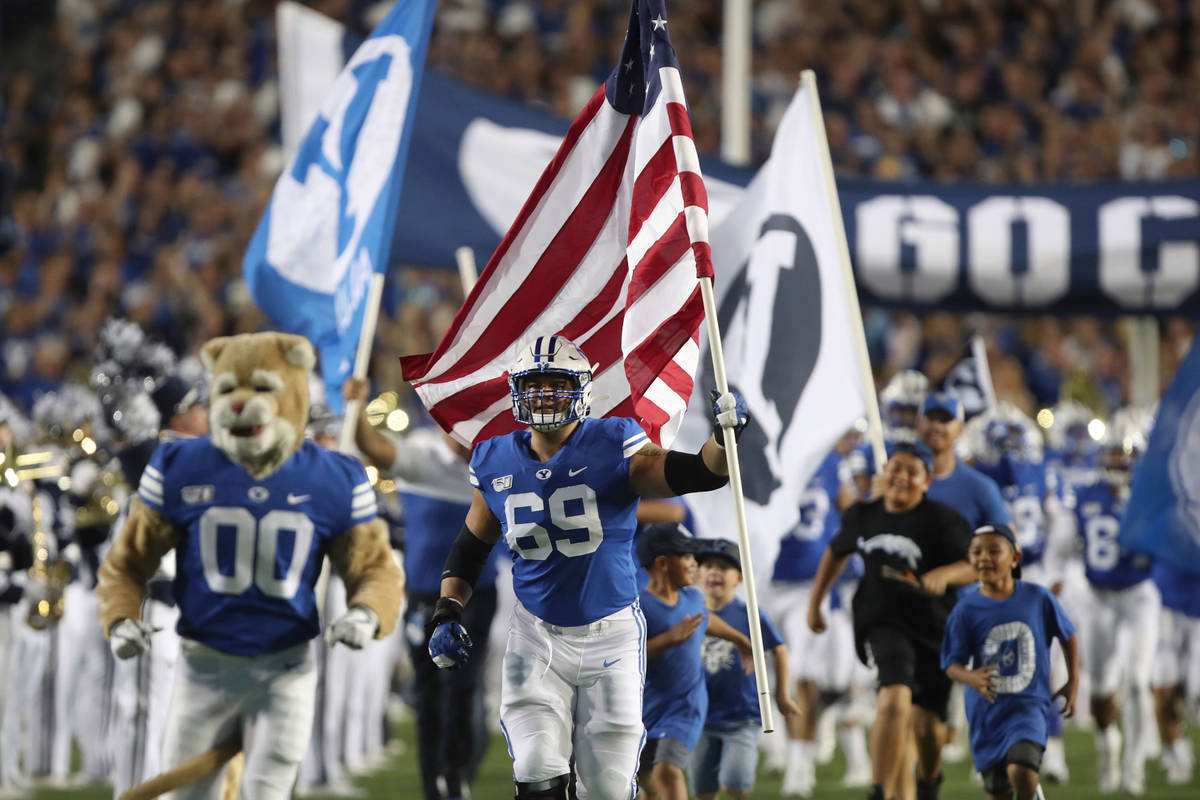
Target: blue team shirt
801, 549
1024, 487
732, 694
431, 524
1180, 589
972, 494
675, 701
1098, 514
1014, 634
250, 550
569, 522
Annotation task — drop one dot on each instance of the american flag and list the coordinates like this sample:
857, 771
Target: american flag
606, 251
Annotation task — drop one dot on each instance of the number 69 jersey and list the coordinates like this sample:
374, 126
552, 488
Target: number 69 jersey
250, 551
570, 521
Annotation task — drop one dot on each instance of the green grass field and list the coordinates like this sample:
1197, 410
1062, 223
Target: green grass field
399, 781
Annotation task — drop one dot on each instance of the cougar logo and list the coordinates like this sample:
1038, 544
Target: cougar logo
717, 654
1184, 469
893, 544
781, 281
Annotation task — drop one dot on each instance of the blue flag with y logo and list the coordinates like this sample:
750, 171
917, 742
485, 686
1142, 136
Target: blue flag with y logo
1163, 514
328, 225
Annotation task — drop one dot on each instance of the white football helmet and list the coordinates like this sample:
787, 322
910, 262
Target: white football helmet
546, 409
901, 402
1068, 433
1003, 430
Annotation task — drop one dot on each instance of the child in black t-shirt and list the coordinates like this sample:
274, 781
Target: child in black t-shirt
913, 549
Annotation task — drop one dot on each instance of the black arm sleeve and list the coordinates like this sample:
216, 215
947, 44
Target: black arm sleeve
468, 555
687, 472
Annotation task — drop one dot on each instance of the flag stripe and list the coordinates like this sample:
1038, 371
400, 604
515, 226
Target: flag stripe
605, 252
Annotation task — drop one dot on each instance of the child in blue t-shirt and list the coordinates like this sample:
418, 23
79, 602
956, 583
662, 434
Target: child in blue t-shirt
727, 753
674, 701
997, 642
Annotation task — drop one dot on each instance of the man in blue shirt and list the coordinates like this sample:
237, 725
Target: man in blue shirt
958, 485
997, 643
675, 698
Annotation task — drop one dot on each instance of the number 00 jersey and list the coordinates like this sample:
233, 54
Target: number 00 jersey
569, 522
251, 550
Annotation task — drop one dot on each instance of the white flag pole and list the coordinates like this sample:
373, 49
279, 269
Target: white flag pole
739, 511
467, 273
983, 370
362, 357
808, 79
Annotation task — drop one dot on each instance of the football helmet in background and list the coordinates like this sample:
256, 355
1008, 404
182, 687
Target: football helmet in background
901, 402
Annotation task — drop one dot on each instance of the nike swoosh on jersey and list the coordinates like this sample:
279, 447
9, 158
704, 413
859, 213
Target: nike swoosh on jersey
297, 498
608, 664
573, 472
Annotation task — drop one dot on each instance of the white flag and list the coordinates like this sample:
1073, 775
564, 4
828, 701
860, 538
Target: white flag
785, 314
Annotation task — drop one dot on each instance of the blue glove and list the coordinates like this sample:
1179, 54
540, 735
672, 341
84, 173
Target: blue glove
450, 644
729, 409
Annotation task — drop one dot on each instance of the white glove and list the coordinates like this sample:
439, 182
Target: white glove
354, 628
130, 637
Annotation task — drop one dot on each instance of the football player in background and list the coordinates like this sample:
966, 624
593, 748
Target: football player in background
1176, 678
251, 511
564, 495
1122, 624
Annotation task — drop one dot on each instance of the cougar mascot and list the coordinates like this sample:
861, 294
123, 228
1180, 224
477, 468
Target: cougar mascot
251, 512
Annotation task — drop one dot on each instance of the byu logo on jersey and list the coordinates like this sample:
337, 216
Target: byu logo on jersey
258, 494
502, 484
1183, 469
543, 474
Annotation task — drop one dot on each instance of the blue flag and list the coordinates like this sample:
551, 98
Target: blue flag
328, 225
1163, 514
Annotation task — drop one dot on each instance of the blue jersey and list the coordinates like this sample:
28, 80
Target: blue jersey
431, 524
1106, 564
972, 494
1180, 589
732, 694
801, 549
675, 702
1013, 634
570, 521
1064, 471
1024, 488
250, 550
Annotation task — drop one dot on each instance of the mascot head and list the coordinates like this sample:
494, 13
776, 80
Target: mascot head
259, 397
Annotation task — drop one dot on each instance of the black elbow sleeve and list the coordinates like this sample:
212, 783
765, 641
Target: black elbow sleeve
687, 473
468, 555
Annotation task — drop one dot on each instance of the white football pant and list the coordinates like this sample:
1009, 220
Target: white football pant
576, 690
269, 697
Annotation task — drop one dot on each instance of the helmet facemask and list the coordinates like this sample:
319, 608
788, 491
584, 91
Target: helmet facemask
551, 384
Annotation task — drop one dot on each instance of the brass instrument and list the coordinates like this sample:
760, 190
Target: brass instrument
50, 572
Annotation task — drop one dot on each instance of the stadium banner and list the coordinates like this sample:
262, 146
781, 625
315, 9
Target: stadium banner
329, 224
1097, 248
784, 311
1162, 516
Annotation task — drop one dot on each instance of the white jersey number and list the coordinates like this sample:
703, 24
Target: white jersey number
256, 548
543, 544
1103, 552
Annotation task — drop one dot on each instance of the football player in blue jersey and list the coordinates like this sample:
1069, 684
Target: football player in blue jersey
251, 511
1176, 679
563, 494
997, 643
1122, 624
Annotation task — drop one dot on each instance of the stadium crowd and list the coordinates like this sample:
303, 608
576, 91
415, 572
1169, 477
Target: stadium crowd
139, 143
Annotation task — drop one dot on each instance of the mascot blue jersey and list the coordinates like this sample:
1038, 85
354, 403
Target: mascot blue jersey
1098, 514
570, 521
251, 550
